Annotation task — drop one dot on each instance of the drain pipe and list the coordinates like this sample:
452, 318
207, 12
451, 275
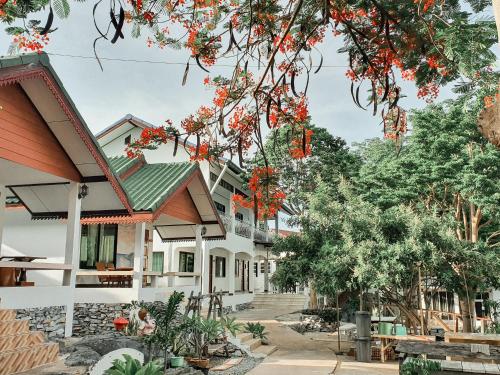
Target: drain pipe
212, 190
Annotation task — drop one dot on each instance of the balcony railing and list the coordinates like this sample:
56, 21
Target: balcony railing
243, 229
226, 220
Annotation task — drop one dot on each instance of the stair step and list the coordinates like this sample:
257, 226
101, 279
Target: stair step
266, 349
244, 337
24, 359
253, 344
7, 314
21, 340
13, 327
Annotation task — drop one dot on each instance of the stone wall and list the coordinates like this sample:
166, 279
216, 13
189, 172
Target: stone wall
97, 318
243, 306
50, 320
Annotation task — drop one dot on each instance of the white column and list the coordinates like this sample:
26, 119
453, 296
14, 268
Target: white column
138, 257
251, 287
232, 215
171, 267
3, 196
202, 260
231, 271
72, 251
266, 275
252, 225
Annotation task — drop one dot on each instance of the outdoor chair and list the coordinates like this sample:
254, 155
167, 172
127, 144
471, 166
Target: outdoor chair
102, 278
114, 280
8, 276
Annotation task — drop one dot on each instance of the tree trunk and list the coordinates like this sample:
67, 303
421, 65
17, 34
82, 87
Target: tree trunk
467, 310
313, 298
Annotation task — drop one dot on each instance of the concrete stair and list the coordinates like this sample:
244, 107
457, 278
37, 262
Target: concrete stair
20, 348
255, 345
292, 302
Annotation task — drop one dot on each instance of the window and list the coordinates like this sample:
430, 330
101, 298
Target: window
256, 269
262, 267
213, 176
237, 267
238, 216
220, 267
186, 262
158, 261
226, 185
239, 192
98, 244
220, 207
128, 139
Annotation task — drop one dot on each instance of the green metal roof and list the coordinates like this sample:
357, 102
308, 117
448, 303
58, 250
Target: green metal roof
120, 164
148, 188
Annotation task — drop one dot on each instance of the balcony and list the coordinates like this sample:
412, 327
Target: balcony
244, 229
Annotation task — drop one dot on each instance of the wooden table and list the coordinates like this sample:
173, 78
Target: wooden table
472, 338
21, 258
387, 341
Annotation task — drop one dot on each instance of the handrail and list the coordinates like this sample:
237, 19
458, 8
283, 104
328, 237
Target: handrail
104, 273
36, 265
173, 273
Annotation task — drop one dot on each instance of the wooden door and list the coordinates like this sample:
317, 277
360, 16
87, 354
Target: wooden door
248, 275
210, 274
242, 276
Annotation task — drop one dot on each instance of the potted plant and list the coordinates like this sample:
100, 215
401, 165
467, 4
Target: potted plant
201, 333
166, 330
177, 342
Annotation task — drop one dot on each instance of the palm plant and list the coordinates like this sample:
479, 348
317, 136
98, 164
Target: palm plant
166, 334
257, 330
230, 325
131, 366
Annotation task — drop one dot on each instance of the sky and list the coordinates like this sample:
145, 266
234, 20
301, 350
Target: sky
153, 92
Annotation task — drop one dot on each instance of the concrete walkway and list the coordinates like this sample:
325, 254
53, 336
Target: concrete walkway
300, 354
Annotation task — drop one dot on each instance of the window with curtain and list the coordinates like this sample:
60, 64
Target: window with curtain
186, 262
98, 244
237, 267
158, 261
220, 267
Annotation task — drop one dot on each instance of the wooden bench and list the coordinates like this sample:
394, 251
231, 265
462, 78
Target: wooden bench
484, 363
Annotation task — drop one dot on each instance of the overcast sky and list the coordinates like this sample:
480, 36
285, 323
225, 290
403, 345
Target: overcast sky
154, 93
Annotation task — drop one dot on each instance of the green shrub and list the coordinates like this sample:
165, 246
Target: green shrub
415, 366
257, 330
131, 366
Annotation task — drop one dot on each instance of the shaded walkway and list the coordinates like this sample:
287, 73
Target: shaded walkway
300, 355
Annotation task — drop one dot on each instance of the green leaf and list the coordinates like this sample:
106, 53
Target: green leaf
136, 31
61, 8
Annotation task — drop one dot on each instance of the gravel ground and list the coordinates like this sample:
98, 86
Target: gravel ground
245, 366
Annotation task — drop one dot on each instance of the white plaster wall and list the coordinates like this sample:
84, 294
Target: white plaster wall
47, 238
25, 298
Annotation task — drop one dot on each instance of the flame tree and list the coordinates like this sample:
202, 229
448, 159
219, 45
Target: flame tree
271, 44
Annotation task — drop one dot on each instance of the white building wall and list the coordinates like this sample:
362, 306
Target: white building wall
44, 238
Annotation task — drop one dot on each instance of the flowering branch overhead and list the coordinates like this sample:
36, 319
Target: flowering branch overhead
273, 45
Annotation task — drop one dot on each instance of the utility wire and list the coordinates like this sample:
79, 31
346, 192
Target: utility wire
162, 62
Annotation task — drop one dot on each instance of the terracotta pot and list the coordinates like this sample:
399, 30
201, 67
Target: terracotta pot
199, 362
120, 323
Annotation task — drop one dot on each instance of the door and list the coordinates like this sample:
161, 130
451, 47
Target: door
210, 273
242, 276
248, 275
